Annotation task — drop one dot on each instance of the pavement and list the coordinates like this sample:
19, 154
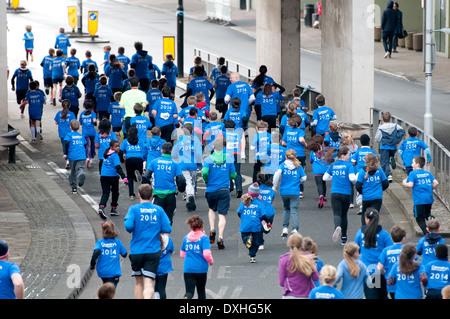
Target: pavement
50, 231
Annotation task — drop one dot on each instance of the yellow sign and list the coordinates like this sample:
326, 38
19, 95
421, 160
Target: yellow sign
168, 46
15, 3
72, 11
92, 22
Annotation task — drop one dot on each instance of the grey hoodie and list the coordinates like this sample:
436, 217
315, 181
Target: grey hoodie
385, 136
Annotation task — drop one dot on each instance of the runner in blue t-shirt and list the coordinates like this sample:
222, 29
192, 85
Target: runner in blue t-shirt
63, 119
438, 273
75, 153
103, 96
170, 71
62, 42
88, 120
412, 147
12, 286
243, 91
322, 116
73, 66
35, 100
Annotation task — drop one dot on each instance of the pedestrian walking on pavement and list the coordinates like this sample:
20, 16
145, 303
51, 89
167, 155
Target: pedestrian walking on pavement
196, 252
389, 22
12, 286
398, 29
146, 222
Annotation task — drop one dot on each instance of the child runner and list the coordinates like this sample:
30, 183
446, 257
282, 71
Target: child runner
267, 195
106, 255
426, 247
196, 252
20, 82
321, 161
90, 81
170, 71
289, 176
62, 42
88, 119
35, 100
58, 67
85, 63
63, 119
47, 72
73, 66
109, 179
117, 115
438, 273
141, 122
72, 93
75, 153
322, 116
28, 37
103, 138
103, 96
164, 267
260, 144
328, 274
235, 148
221, 84
422, 183
412, 147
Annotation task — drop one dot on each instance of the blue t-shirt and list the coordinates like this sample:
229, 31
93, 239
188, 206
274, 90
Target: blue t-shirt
221, 82
290, 180
201, 84
115, 77
372, 188
323, 115
164, 169
124, 60
219, 175
170, 71
325, 292
251, 216
277, 156
194, 261
141, 62
62, 42
143, 124
73, 65
340, 171
7, 269
370, 256
165, 110
269, 103
352, 287
234, 141
46, 64
117, 114
87, 123
104, 143
28, 37
103, 96
422, 191
109, 165
389, 256
23, 78
64, 124
212, 130
407, 286
427, 248
332, 143
130, 150
57, 66
235, 116
36, 102
438, 273
72, 94
165, 263
76, 148
243, 91
319, 165
90, 84
410, 148
153, 146
152, 96
85, 65
108, 263
146, 222
360, 156
188, 152
291, 137
261, 142
267, 195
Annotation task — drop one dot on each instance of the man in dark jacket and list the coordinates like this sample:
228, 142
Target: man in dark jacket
388, 25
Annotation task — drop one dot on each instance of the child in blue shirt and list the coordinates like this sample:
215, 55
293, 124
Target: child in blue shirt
73, 66
72, 93
153, 95
389, 255
103, 138
28, 39
289, 176
267, 195
85, 63
221, 84
115, 73
90, 81
63, 119
412, 147
260, 144
235, 149
106, 255
251, 212
422, 183
328, 275
62, 42
277, 156
117, 114
109, 180
196, 252
88, 119
20, 82
322, 116
320, 161
438, 273
75, 153
103, 96
334, 138
35, 100
426, 247
170, 71
164, 267
141, 122
408, 275
58, 67
47, 72
153, 146
212, 130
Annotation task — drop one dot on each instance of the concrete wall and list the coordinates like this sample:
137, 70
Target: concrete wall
348, 59
278, 40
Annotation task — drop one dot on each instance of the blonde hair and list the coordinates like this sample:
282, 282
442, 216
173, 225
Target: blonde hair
334, 127
371, 163
328, 273
292, 155
347, 138
300, 261
351, 253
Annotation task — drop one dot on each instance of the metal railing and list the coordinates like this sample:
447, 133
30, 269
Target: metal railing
440, 163
210, 62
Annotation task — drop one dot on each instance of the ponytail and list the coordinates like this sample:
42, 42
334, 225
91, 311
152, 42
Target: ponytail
370, 233
292, 155
350, 253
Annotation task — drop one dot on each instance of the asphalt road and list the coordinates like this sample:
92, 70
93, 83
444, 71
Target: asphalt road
231, 276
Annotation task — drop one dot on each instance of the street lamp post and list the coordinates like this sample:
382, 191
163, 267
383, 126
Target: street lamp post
180, 38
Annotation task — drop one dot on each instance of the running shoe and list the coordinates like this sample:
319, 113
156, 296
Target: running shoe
336, 234
220, 244
252, 260
393, 163
138, 176
212, 236
320, 205
114, 211
101, 212
285, 231
81, 180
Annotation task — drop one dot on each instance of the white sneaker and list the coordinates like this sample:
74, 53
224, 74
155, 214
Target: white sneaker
285, 231
386, 54
336, 234
294, 231
261, 247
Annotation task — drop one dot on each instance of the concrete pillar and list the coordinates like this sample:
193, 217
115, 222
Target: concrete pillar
348, 58
278, 40
3, 69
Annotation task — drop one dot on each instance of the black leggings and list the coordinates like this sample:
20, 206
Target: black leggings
133, 164
160, 286
192, 281
109, 184
340, 204
321, 185
168, 203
